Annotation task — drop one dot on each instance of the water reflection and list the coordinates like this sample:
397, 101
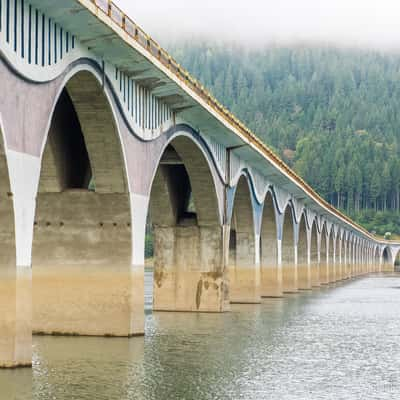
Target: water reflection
334, 343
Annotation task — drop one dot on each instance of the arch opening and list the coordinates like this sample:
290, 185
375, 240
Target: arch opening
185, 231
82, 247
271, 274
289, 267
244, 274
303, 266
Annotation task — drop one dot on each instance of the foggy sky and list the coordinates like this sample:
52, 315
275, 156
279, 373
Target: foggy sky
366, 23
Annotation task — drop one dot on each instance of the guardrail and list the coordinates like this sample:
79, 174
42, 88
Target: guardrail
150, 45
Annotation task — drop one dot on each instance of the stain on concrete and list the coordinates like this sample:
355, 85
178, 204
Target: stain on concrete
198, 293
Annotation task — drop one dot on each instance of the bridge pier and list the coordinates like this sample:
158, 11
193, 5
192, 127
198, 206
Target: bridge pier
314, 255
189, 237
271, 272
289, 253
187, 269
244, 264
303, 255
15, 317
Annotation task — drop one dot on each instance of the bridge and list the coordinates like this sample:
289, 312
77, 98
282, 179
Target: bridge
100, 128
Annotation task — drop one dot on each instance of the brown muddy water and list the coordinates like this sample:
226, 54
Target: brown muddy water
341, 342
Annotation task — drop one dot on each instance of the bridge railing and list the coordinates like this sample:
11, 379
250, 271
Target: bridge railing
149, 44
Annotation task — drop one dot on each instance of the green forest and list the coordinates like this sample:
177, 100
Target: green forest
331, 114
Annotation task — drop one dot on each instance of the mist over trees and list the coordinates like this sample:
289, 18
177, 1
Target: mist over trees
331, 114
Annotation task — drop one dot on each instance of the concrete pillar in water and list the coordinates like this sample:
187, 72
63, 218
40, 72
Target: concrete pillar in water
324, 257
332, 256
304, 255
186, 264
271, 273
314, 256
244, 268
289, 253
17, 205
189, 237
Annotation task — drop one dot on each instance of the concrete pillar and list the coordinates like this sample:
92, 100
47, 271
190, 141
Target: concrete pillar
244, 271
16, 210
303, 256
387, 260
271, 273
314, 256
188, 269
340, 257
190, 240
289, 253
332, 257
324, 258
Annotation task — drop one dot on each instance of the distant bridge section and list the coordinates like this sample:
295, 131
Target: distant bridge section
101, 131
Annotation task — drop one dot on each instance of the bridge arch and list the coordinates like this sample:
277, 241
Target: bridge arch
289, 268
244, 274
271, 274
82, 227
184, 214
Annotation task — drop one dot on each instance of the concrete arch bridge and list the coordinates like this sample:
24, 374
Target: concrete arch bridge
99, 128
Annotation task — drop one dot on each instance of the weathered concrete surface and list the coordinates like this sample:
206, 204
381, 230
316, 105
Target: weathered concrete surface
15, 283
83, 281
15, 321
244, 274
270, 273
315, 280
304, 276
188, 273
387, 267
324, 272
244, 284
271, 281
87, 300
290, 278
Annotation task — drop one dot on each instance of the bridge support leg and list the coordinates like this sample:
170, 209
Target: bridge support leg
304, 276
315, 282
83, 279
188, 273
324, 273
17, 214
15, 317
244, 273
271, 281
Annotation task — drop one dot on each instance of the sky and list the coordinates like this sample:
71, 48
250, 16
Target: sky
365, 23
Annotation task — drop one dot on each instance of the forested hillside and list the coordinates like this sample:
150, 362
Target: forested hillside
332, 114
